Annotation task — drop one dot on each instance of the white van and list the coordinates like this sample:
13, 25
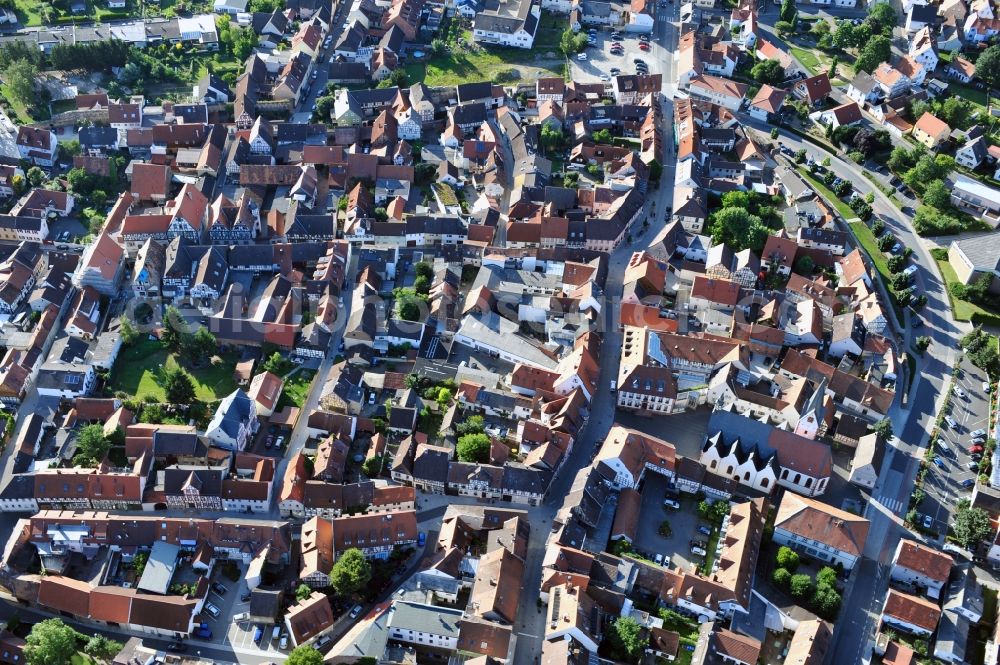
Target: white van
276, 632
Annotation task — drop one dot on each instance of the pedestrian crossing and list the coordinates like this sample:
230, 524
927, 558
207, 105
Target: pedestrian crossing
892, 504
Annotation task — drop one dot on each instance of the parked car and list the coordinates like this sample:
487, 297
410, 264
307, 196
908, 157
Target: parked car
421, 538
978, 441
219, 589
968, 482
704, 530
960, 393
975, 450
283, 644
615, 71
279, 441
356, 611
672, 503
951, 422
581, 56
978, 432
258, 633
972, 466
698, 551
176, 646
204, 632
658, 559
939, 463
986, 386
213, 610
928, 521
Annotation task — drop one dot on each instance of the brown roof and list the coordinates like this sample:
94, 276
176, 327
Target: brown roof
809, 643
769, 99
922, 559
664, 641
737, 647
627, 514
484, 637
721, 291
497, 588
150, 181
825, 524
912, 610
65, 595
309, 617
931, 125
265, 389
111, 603
898, 654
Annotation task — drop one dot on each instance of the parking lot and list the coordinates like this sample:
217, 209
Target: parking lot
944, 483
686, 431
684, 524
600, 61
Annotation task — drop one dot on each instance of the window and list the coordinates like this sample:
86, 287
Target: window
764, 482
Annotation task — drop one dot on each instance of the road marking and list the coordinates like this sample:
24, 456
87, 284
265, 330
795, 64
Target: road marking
534, 637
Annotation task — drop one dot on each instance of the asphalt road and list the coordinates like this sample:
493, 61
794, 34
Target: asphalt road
889, 504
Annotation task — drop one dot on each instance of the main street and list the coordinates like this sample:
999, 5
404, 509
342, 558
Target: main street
913, 420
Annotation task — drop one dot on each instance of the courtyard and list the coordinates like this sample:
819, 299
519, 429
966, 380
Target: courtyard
140, 369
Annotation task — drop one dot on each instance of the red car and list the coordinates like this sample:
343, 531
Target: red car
643, 46
976, 450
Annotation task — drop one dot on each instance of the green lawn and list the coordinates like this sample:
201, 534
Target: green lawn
462, 66
824, 191
139, 372
81, 659
963, 310
296, 389
816, 61
969, 93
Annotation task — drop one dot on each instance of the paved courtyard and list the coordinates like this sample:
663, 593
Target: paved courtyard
684, 524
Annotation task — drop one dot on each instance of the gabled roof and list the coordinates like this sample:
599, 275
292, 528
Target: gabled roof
813, 520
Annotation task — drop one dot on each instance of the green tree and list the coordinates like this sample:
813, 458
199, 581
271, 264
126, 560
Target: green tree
781, 577
424, 269
473, 448
805, 265
896, 263
302, 592
800, 156
551, 137
602, 136
408, 303
981, 348
372, 466
51, 642
738, 228
244, 41
845, 34
91, 445
305, 654
626, 638
826, 600
20, 77
571, 42
787, 558
275, 364
882, 428
788, 11
173, 328
36, 176
422, 285
827, 576
438, 46
971, 525
875, 51
444, 396
921, 344
801, 586
768, 71
988, 66
128, 332
178, 386
882, 17
351, 572
937, 195
475, 424
102, 648
201, 346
